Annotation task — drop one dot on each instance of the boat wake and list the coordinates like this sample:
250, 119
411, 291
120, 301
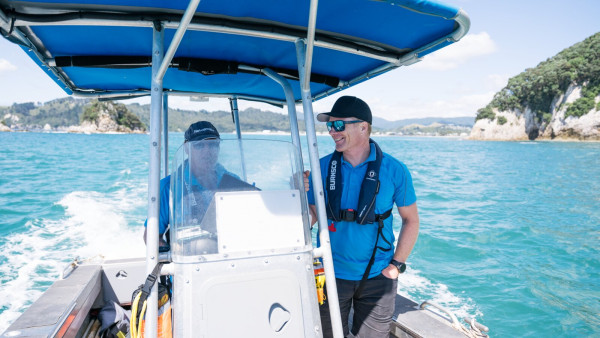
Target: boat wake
107, 224
414, 286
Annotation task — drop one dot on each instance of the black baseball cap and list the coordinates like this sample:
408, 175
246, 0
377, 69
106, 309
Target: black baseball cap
348, 106
201, 130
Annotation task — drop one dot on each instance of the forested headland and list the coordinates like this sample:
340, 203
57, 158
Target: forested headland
559, 98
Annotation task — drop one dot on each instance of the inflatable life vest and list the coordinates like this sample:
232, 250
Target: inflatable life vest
365, 213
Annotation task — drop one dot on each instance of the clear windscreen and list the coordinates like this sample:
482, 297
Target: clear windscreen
230, 197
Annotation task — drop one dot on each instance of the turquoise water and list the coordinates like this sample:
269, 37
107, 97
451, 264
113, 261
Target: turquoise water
509, 231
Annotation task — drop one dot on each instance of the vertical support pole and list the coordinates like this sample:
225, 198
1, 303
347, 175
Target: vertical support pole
291, 106
236, 116
310, 36
238, 130
313, 152
154, 177
165, 133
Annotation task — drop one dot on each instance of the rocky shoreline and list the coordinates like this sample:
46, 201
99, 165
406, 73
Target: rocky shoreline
517, 125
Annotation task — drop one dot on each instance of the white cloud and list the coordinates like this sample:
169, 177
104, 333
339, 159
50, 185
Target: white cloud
496, 81
471, 46
6, 66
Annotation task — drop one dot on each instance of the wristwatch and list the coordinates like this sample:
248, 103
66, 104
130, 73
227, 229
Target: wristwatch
399, 265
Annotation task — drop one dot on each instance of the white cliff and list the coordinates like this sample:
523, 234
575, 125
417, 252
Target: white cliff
586, 127
518, 126
523, 125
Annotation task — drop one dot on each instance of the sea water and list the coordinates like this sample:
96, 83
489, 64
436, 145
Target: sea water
510, 231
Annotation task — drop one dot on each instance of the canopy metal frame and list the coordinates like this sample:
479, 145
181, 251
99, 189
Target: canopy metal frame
17, 24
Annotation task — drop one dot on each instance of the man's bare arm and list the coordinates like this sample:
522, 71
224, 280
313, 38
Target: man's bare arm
407, 238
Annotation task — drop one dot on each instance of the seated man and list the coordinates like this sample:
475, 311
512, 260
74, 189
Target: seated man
206, 176
201, 176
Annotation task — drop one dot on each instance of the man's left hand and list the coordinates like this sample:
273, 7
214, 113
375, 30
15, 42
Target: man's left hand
391, 272
306, 185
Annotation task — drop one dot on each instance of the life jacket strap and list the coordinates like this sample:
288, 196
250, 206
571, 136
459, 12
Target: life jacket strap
147, 287
349, 215
380, 219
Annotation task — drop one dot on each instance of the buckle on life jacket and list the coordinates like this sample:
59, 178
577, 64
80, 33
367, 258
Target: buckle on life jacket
348, 215
379, 218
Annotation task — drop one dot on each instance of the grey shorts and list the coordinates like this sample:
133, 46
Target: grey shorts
373, 308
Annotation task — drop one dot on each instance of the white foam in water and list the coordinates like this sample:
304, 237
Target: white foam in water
107, 224
418, 288
98, 221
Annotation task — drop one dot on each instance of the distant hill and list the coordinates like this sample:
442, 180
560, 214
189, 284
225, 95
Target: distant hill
61, 113
251, 119
559, 98
465, 121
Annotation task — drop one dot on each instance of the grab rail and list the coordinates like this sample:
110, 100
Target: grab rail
476, 331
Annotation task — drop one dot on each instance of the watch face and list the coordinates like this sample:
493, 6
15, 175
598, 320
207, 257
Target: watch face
400, 266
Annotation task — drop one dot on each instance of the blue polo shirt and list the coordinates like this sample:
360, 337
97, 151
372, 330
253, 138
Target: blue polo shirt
165, 192
352, 243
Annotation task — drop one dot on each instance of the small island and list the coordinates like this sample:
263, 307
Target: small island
108, 117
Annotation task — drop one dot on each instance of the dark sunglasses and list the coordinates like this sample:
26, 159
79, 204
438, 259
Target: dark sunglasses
210, 144
340, 125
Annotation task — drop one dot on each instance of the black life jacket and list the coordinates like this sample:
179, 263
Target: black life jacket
365, 214
200, 198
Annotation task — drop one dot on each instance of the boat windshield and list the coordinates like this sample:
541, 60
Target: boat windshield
228, 201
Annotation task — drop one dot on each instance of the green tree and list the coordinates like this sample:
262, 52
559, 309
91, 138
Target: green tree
117, 111
537, 87
485, 113
586, 102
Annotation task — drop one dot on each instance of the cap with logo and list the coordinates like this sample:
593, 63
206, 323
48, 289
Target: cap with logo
201, 130
348, 106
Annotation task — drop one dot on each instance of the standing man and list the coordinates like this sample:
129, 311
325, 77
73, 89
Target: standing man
361, 185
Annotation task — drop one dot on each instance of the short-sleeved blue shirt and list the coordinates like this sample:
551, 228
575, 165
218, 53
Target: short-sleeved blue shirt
352, 243
165, 193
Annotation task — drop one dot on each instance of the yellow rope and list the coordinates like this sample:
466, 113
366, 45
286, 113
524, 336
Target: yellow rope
132, 323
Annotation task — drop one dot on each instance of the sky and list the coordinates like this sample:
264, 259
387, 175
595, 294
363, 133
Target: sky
505, 38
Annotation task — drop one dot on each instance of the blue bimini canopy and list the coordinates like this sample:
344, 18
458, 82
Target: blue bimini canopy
103, 47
